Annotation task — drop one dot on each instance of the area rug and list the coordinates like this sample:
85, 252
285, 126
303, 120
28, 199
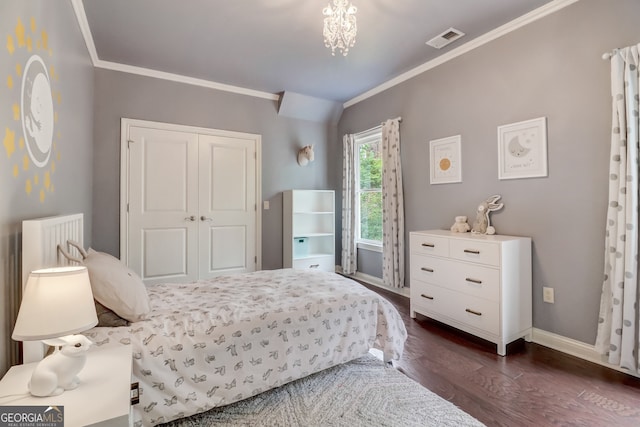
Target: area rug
365, 392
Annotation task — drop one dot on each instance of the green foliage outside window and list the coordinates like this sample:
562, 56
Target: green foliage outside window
370, 159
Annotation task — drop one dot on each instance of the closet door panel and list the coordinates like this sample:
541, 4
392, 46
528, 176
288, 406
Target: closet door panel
165, 253
227, 200
232, 253
163, 204
228, 179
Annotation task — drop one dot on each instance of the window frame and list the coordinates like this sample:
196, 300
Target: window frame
367, 137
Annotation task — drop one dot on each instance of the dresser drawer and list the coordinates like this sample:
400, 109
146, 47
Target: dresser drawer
429, 298
476, 312
429, 245
467, 309
324, 263
468, 278
475, 251
476, 280
430, 269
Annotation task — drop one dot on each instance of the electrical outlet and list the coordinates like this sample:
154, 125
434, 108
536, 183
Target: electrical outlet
547, 295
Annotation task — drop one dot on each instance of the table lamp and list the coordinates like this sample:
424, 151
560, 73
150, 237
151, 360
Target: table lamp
56, 304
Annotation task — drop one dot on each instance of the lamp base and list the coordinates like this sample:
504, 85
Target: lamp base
59, 371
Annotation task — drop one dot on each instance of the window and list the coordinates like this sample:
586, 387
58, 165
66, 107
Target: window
368, 186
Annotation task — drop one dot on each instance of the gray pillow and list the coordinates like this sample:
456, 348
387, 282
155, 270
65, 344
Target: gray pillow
108, 318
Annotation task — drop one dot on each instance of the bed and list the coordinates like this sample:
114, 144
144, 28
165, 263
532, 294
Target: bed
218, 341
215, 342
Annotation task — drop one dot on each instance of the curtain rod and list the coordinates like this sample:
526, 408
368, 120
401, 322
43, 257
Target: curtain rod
608, 55
377, 127
399, 118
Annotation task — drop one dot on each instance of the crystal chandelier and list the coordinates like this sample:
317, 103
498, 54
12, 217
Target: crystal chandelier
340, 26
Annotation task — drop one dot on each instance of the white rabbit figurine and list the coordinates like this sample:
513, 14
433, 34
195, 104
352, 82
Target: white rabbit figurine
59, 371
482, 224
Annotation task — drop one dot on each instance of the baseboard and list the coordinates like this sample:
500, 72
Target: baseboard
374, 281
574, 348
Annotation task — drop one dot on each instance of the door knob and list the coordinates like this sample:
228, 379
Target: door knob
204, 218
190, 218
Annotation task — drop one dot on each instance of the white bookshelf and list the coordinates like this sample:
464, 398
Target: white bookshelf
309, 229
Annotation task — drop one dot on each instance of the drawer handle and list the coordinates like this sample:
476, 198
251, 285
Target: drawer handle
472, 251
477, 313
469, 279
427, 269
314, 266
426, 296
429, 245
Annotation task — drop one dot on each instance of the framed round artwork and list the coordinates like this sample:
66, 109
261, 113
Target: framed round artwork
446, 160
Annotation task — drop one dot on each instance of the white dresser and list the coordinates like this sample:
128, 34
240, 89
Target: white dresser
479, 284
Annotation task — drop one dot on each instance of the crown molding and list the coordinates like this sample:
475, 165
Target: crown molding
115, 66
78, 8
513, 25
81, 17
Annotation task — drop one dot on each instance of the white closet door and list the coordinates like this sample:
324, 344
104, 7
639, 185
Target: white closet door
227, 205
163, 205
189, 201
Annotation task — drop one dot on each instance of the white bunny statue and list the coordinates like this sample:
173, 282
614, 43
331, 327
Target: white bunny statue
59, 371
305, 155
482, 224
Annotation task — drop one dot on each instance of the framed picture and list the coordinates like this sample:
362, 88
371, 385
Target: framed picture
522, 149
446, 162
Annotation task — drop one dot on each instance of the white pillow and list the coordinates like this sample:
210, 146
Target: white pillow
116, 286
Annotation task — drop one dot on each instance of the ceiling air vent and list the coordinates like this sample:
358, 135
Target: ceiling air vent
445, 38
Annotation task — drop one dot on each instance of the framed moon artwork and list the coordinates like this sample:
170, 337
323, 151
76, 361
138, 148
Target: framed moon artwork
522, 149
446, 161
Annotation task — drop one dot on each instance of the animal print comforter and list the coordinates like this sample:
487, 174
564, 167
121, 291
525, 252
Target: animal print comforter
214, 342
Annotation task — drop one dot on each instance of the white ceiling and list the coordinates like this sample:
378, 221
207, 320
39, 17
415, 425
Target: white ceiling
273, 46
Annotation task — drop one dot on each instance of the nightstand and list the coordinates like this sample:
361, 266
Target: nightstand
101, 399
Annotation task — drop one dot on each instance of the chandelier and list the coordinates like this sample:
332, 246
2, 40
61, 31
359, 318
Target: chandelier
340, 26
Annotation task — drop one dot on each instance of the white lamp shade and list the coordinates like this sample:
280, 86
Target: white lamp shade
56, 302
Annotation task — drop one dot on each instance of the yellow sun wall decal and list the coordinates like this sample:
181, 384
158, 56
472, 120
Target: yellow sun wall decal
30, 136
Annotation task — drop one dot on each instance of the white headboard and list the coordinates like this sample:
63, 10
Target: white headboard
40, 240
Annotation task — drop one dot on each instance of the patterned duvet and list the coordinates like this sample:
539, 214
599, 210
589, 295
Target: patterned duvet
214, 342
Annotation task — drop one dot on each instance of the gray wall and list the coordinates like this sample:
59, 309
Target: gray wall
370, 263
125, 95
550, 68
71, 177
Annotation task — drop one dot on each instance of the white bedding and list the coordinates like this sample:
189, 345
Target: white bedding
214, 342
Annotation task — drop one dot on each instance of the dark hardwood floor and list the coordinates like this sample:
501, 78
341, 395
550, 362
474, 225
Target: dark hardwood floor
532, 386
